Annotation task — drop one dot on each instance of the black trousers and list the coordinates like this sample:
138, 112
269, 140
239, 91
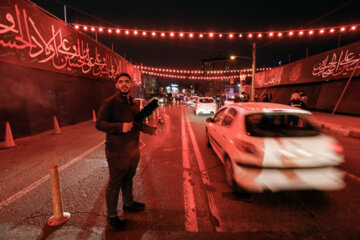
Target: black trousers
122, 169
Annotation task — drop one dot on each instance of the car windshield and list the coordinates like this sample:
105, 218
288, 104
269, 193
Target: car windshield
279, 125
206, 100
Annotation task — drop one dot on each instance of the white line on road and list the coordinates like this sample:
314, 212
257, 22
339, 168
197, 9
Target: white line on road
31, 187
204, 177
191, 223
352, 176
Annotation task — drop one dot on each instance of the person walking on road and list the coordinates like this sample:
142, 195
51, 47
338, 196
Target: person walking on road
115, 117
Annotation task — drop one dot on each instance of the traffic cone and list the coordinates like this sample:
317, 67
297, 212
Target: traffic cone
9, 141
94, 116
56, 127
59, 217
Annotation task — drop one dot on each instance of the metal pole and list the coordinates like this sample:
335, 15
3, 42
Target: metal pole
252, 97
347, 84
65, 17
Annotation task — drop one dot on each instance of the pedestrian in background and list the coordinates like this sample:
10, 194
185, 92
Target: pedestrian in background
115, 117
295, 100
303, 97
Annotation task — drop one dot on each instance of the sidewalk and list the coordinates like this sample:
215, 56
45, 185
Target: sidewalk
344, 125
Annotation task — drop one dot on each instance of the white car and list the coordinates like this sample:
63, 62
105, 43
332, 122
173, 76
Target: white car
140, 101
269, 146
191, 101
205, 105
229, 101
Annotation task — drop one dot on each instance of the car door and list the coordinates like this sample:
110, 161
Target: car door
226, 131
215, 132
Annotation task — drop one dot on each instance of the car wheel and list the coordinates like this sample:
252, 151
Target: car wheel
208, 144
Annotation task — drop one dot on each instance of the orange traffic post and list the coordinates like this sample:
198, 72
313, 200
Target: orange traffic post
9, 141
94, 116
59, 217
56, 127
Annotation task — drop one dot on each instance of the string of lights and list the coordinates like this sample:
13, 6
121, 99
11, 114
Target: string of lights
195, 77
184, 71
219, 35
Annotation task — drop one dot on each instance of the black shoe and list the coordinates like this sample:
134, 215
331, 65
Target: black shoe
134, 207
116, 223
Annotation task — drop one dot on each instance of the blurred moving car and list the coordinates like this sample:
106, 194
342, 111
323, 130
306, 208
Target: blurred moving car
229, 101
269, 146
205, 105
140, 101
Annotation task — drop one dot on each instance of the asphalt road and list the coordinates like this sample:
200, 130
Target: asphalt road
181, 181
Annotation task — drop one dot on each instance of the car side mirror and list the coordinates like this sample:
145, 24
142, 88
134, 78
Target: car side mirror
209, 119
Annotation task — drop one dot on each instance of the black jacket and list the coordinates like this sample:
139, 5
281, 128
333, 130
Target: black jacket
113, 112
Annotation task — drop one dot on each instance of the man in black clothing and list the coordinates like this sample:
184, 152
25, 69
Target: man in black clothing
115, 117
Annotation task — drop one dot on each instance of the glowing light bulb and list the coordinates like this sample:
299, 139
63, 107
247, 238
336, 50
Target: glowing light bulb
101, 29
291, 33
77, 26
271, 34
153, 34
117, 31
109, 31
92, 29
85, 28
127, 32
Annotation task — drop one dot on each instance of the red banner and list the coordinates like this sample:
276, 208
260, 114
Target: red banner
30, 37
330, 65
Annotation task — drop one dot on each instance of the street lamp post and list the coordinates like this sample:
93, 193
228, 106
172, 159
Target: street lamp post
253, 59
252, 96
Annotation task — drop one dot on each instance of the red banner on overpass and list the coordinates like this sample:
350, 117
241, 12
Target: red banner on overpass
330, 65
32, 38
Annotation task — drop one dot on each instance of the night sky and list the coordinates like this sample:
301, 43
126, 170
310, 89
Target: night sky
218, 16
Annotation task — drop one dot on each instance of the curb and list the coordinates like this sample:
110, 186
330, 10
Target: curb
347, 132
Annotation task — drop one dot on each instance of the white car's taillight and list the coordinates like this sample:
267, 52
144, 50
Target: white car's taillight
336, 147
245, 146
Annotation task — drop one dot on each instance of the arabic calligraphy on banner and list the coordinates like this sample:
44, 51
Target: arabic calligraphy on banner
30, 37
331, 65
336, 64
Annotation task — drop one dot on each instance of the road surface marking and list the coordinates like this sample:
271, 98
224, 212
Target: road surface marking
205, 178
191, 223
31, 187
352, 176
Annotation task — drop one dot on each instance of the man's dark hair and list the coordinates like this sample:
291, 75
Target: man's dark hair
121, 75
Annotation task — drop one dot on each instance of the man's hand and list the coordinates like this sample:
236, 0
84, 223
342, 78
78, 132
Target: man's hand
127, 126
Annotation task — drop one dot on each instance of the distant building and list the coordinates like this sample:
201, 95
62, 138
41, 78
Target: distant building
149, 84
223, 63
